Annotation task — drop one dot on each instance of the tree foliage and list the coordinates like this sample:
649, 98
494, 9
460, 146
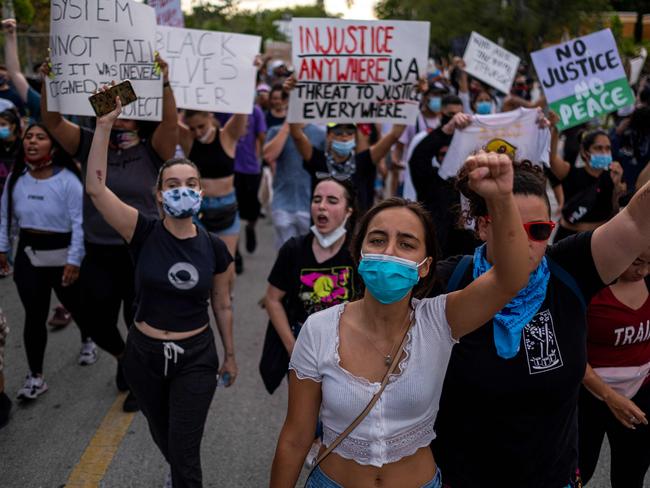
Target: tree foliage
522, 25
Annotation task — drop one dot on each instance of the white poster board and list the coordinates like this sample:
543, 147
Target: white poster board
636, 66
209, 70
490, 63
357, 71
95, 42
168, 12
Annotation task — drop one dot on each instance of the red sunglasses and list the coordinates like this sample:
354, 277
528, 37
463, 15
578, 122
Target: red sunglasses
536, 230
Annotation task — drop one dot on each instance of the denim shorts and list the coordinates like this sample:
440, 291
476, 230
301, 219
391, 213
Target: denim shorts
318, 479
219, 202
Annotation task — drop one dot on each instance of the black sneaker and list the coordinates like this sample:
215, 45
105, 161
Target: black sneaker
120, 381
5, 408
130, 403
239, 263
251, 239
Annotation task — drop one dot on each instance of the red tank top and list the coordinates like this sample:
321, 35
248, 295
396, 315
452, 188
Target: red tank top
617, 335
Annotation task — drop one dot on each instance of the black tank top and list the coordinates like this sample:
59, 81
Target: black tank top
211, 159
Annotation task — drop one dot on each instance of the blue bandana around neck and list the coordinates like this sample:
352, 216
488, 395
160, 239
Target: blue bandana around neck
511, 320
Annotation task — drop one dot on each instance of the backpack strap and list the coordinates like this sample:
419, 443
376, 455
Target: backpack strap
459, 273
561, 274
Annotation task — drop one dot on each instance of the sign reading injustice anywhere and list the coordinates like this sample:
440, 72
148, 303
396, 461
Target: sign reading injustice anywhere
93, 42
583, 78
490, 63
168, 12
208, 70
357, 71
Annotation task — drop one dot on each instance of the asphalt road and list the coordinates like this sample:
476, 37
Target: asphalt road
45, 440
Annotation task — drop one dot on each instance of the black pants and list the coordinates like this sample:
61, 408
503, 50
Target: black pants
246, 188
107, 282
630, 449
175, 404
35, 285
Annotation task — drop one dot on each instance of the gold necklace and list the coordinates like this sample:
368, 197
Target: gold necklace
388, 358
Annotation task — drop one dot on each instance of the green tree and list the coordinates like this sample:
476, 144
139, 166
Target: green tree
641, 7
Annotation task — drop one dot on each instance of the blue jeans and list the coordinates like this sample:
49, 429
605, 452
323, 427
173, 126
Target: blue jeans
318, 479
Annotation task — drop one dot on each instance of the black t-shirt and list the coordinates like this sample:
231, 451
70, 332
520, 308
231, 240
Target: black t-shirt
272, 120
311, 286
363, 178
131, 175
173, 277
512, 423
587, 198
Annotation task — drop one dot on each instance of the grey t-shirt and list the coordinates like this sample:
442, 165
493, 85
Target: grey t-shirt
131, 175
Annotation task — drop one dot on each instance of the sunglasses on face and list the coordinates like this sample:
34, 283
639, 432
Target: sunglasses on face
537, 230
344, 132
322, 175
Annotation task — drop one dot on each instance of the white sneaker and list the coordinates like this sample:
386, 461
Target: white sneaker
33, 387
88, 353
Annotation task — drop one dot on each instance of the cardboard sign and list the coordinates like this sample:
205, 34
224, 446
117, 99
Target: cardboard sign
93, 42
357, 71
490, 63
583, 78
208, 70
168, 12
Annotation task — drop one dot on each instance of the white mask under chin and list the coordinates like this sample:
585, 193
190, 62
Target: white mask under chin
206, 137
327, 240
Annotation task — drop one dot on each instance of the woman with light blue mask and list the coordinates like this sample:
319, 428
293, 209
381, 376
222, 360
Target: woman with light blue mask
181, 271
345, 354
591, 187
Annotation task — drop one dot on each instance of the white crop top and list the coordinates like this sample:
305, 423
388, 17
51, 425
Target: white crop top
402, 420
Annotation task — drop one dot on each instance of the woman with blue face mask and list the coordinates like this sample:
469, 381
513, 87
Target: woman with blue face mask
343, 353
592, 186
171, 362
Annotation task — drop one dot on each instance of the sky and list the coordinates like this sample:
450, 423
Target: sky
361, 9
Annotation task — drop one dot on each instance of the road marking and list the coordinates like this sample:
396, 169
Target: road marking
99, 453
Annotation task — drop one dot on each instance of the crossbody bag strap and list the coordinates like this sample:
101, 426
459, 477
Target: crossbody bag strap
366, 411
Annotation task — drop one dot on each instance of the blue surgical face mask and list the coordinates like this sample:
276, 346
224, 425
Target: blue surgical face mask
600, 161
343, 148
181, 202
484, 108
5, 132
388, 278
435, 104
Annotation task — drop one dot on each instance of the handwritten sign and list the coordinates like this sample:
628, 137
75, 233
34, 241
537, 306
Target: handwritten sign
93, 42
490, 63
357, 71
208, 70
583, 78
168, 12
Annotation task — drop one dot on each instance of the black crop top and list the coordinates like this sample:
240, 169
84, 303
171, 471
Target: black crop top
173, 277
211, 159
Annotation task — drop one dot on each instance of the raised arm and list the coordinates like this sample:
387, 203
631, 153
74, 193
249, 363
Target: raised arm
222, 308
165, 137
65, 132
232, 131
11, 59
383, 145
491, 176
559, 166
303, 145
616, 244
273, 148
118, 214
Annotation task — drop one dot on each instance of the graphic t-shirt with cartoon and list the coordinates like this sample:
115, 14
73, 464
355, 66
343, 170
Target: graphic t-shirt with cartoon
311, 286
511, 423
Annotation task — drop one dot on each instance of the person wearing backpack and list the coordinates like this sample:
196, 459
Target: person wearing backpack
508, 410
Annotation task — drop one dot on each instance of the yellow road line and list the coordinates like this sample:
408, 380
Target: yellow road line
99, 453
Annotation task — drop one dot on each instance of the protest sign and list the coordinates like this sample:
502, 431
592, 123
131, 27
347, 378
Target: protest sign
636, 66
490, 63
93, 42
357, 71
208, 70
583, 78
168, 12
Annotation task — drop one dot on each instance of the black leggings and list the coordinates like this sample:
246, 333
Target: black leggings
630, 448
35, 285
107, 282
246, 188
174, 392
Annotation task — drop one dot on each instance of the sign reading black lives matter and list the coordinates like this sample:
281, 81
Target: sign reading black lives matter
357, 71
93, 42
209, 70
